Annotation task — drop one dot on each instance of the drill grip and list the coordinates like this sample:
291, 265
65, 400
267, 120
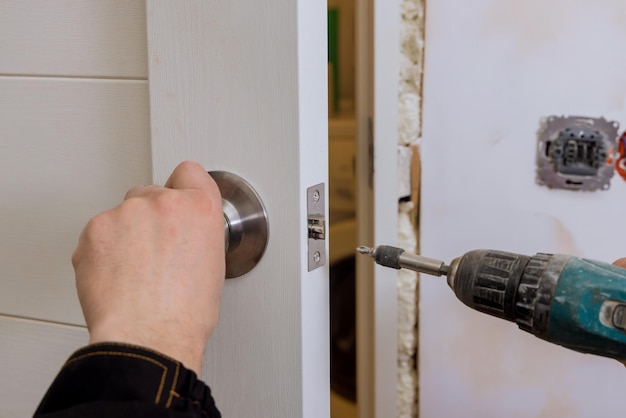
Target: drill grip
576, 303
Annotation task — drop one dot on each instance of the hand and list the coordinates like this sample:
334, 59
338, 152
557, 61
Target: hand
620, 263
150, 271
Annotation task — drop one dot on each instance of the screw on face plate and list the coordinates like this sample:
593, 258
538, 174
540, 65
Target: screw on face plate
316, 196
316, 257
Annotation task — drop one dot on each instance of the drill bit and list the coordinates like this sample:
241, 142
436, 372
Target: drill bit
397, 258
362, 249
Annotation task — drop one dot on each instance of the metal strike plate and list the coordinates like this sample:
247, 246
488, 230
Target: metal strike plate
576, 153
316, 225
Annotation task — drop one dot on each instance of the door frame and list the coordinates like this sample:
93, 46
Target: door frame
377, 77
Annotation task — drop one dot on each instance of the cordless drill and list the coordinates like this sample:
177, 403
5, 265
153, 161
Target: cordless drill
574, 302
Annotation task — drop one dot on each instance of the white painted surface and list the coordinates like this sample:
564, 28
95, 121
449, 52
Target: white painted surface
68, 150
70, 147
31, 354
378, 55
493, 69
242, 87
95, 38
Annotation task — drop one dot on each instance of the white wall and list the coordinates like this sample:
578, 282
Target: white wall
493, 69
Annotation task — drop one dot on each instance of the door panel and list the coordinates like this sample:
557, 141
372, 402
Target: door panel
31, 354
241, 87
70, 149
96, 38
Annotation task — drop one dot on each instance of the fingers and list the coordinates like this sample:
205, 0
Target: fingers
187, 175
620, 263
191, 175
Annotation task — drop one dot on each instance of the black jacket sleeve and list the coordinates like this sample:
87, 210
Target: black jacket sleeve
120, 380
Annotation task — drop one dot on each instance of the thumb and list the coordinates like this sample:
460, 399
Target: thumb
620, 263
191, 175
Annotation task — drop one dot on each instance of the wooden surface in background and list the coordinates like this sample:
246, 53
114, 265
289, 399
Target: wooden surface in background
95, 38
31, 355
69, 149
74, 136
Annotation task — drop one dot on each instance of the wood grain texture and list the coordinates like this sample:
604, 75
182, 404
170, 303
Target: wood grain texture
241, 87
96, 38
31, 354
69, 149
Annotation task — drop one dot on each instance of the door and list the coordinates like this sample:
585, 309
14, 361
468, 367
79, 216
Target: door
493, 70
241, 87
235, 87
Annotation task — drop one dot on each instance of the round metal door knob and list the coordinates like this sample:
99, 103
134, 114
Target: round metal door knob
246, 226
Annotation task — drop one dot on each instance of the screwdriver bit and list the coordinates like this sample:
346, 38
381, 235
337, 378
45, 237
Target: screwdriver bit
397, 258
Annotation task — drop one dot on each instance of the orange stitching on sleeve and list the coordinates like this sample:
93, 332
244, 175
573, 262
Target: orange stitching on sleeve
128, 345
137, 356
169, 400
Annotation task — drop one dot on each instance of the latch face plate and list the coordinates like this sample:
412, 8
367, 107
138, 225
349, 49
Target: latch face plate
316, 225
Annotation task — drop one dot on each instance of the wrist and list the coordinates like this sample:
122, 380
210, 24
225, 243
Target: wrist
186, 352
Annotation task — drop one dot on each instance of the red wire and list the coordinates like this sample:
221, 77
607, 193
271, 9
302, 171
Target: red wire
620, 164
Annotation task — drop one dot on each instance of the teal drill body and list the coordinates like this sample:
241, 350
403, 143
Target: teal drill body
576, 303
589, 309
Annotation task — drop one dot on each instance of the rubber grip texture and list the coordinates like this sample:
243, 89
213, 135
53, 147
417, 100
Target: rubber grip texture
389, 256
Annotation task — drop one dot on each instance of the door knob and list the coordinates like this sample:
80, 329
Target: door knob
246, 226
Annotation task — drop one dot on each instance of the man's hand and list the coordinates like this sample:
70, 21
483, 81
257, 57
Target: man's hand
620, 263
150, 271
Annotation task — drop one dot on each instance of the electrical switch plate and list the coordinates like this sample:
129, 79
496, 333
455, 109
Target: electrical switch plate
576, 153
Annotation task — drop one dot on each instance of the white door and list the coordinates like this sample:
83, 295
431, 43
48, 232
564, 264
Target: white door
493, 69
241, 87
238, 87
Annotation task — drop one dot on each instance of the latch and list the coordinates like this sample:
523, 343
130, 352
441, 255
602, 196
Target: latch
316, 225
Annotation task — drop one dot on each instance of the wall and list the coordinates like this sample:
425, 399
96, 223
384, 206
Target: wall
493, 69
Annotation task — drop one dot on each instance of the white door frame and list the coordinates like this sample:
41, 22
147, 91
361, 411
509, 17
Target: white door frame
378, 57
241, 87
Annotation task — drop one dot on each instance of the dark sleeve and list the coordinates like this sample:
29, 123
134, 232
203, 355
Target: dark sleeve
120, 380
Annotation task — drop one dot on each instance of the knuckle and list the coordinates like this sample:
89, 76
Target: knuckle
190, 165
76, 257
91, 237
95, 226
131, 192
209, 204
169, 202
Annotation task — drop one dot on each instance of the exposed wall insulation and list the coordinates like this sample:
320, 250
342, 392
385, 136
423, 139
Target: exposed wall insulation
409, 132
